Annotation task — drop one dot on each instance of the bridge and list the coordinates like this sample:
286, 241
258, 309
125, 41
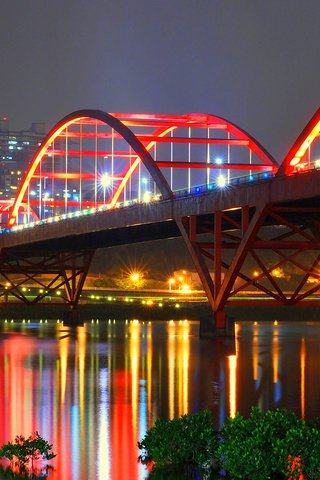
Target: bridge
103, 179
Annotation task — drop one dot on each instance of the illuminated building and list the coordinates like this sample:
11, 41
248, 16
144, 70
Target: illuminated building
16, 150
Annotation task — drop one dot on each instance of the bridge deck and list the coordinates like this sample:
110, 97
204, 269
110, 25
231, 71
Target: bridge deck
145, 222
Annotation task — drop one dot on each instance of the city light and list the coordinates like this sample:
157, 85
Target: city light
135, 277
185, 288
105, 180
171, 282
278, 273
221, 181
146, 197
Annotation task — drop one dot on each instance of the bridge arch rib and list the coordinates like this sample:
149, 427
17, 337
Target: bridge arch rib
305, 152
93, 159
72, 119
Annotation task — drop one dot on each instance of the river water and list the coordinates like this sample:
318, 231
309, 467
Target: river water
92, 391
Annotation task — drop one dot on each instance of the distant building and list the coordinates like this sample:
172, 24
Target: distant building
16, 150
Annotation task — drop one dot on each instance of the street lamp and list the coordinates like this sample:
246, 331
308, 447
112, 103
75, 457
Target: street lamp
221, 181
185, 288
171, 282
105, 181
144, 180
147, 197
135, 277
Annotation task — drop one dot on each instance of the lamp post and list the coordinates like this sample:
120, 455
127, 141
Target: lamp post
171, 282
45, 197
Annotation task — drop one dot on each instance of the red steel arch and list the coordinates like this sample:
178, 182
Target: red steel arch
184, 141
168, 124
115, 124
305, 152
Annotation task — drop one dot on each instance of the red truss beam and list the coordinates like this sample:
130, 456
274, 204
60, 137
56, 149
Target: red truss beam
148, 137
214, 166
229, 254
67, 270
89, 153
194, 140
71, 176
155, 123
50, 202
160, 163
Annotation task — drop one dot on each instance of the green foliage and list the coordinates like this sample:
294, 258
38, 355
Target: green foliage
269, 445
247, 450
186, 441
23, 454
266, 445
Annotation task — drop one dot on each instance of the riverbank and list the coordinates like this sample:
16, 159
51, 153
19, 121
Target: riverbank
114, 310
167, 311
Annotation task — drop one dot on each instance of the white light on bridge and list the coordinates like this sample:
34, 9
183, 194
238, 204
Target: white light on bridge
221, 181
105, 180
147, 197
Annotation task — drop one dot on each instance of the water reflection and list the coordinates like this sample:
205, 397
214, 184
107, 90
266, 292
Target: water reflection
94, 390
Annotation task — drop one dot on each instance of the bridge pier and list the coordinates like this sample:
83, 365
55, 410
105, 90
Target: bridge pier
219, 325
72, 317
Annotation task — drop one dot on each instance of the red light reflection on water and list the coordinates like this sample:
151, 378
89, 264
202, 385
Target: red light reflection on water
93, 391
88, 410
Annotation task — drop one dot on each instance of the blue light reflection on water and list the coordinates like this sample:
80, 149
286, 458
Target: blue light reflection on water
93, 391
75, 444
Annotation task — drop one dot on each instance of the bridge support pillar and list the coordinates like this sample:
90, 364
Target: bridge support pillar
72, 317
219, 325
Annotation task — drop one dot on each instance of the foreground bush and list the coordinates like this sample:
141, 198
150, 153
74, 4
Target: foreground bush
254, 448
266, 445
26, 456
270, 445
185, 443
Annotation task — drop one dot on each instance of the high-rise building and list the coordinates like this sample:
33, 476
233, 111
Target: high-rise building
16, 150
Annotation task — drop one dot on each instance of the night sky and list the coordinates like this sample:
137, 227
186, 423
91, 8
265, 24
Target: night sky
254, 62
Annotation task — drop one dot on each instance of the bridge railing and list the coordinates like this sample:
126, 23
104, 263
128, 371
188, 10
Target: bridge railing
233, 182
198, 190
